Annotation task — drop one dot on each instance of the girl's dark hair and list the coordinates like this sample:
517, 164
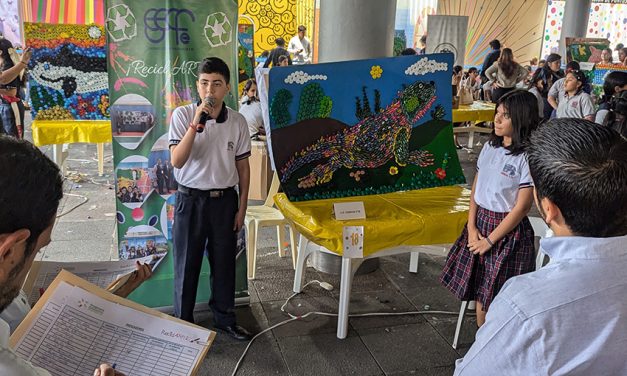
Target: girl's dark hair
5, 46
247, 86
613, 79
537, 76
616, 118
470, 70
581, 77
522, 107
457, 69
507, 63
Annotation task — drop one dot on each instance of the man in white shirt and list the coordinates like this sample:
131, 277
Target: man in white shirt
568, 318
29, 198
300, 47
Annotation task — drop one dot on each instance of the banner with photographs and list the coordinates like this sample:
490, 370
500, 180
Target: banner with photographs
153, 54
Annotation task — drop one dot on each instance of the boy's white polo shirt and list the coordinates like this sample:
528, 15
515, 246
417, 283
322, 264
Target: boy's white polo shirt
211, 164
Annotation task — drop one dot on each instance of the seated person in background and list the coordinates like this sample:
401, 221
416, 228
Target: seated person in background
617, 114
567, 318
284, 61
458, 73
573, 101
27, 215
408, 52
250, 107
553, 94
614, 83
471, 81
606, 56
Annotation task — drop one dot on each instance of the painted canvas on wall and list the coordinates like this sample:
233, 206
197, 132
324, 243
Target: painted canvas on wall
587, 50
68, 72
363, 127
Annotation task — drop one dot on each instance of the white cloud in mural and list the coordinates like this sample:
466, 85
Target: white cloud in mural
424, 66
300, 77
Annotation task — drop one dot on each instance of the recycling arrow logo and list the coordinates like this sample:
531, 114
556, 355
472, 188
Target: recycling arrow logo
121, 23
218, 29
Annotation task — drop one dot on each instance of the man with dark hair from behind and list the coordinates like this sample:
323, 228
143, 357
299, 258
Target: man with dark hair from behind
490, 58
569, 317
279, 50
29, 198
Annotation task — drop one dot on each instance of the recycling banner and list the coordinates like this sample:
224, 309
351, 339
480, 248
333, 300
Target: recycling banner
153, 54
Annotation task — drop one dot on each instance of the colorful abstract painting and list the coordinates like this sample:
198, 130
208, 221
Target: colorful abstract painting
68, 72
587, 50
363, 127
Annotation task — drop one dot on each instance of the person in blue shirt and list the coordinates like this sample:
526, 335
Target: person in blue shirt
569, 317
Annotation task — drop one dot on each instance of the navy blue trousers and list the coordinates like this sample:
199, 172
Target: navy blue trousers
204, 223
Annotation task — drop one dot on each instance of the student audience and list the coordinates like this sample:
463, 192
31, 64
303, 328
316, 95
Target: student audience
567, 318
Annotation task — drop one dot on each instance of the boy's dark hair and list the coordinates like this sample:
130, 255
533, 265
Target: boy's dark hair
31, 189
613, 79
214, 65
280, 42
457, 69
302, 28
582, 168
522, 107
408, 52
616, 118
495, 44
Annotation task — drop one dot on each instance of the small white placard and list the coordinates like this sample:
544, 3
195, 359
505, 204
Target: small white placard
353, 241
349, 210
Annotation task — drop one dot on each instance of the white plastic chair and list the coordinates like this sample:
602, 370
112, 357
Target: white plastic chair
267, 215
542, 231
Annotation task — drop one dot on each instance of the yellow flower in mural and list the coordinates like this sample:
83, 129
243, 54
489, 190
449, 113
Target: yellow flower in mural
376, 72
393, 170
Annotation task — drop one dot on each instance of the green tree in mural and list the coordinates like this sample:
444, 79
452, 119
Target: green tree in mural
313, 103
359, 112
279, 108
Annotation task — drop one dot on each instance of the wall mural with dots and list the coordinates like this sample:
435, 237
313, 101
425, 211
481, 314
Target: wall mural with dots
272, 19
68, 72
363, 127
604, 21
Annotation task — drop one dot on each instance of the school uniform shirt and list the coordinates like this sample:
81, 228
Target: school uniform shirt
211, 163
501, 175
10, 362
253, 115
579, 105
556, 88
568, 318
16, 312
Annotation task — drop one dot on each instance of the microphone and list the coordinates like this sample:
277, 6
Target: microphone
204, 116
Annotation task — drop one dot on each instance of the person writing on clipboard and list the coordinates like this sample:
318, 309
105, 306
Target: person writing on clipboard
28, 208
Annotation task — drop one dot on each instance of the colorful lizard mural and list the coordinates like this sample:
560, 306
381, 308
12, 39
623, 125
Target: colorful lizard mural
371, 143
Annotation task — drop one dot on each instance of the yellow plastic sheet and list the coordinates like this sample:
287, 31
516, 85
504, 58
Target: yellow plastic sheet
71, 131
412, 218
477, 111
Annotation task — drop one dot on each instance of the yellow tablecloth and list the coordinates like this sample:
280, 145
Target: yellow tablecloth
412, 218
47, 132
477, 111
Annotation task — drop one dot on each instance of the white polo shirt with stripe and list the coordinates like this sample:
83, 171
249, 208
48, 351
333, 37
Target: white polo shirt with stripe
211, 164
501, 175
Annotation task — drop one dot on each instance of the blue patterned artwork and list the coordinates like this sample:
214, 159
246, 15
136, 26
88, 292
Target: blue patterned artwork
363, 127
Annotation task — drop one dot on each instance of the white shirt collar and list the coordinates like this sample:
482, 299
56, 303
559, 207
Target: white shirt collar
579, 247
5, 333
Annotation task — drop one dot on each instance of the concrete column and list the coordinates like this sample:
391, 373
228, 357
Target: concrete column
574, 22
355, 29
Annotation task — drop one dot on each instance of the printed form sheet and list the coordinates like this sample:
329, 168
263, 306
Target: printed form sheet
74, 330
100, 273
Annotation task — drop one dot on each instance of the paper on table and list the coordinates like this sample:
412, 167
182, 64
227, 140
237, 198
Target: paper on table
76, 326
100, 273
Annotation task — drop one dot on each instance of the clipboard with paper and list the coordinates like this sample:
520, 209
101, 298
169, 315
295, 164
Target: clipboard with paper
75, 326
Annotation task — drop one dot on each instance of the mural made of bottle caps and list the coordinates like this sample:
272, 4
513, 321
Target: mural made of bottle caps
68, 72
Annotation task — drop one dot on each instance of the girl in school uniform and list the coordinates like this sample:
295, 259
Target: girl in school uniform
498, 240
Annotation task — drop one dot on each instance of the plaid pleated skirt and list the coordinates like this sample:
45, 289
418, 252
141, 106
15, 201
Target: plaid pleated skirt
474, 277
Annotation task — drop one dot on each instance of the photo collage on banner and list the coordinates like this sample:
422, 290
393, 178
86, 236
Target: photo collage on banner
68, 72
363, 127
153, 57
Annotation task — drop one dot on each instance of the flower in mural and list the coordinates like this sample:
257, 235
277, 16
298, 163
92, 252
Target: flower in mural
94, 32
357, 175
376, 72
393, 170
440, 173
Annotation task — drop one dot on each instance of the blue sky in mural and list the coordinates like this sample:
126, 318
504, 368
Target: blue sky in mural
344, 82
